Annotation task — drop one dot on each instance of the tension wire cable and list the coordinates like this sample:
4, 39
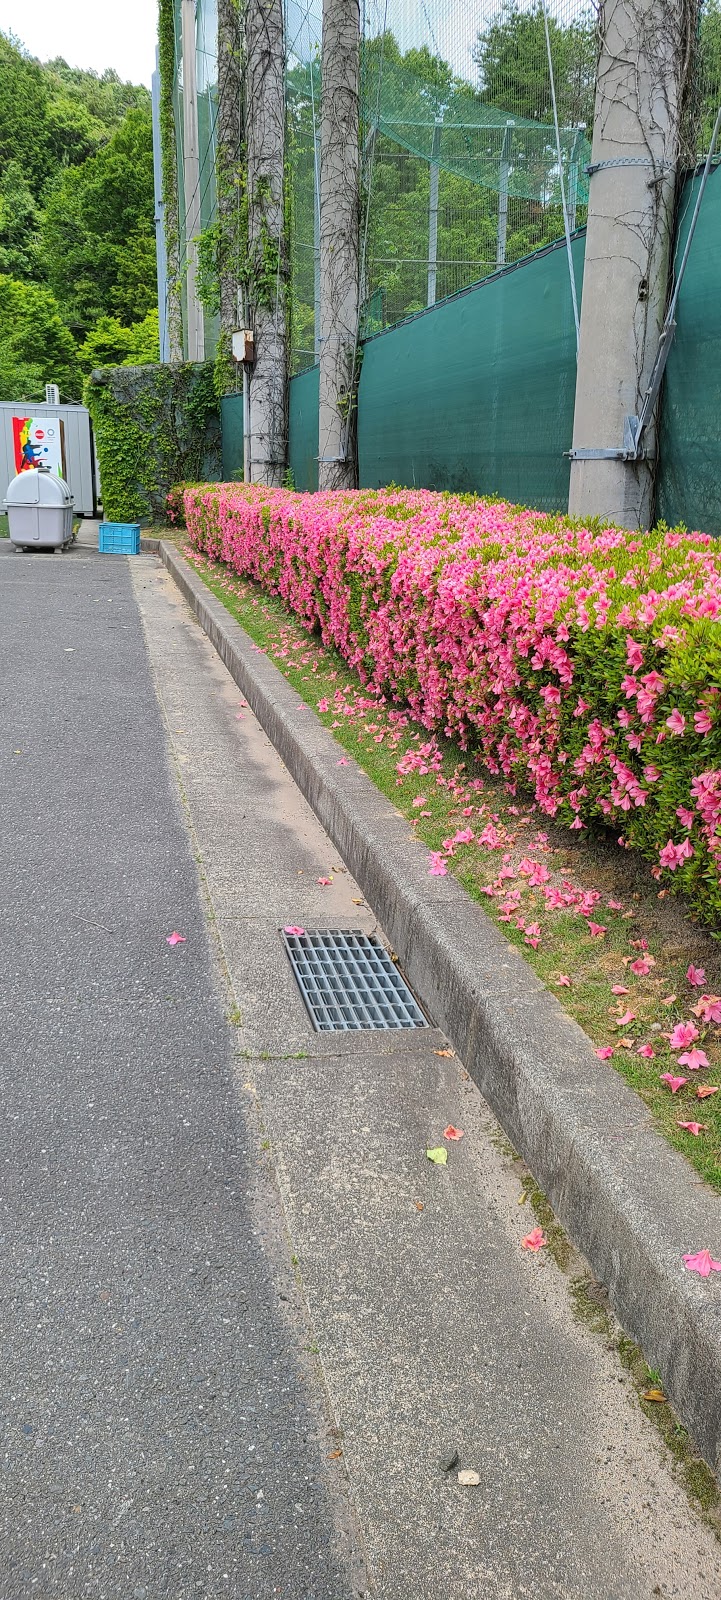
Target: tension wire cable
566, 228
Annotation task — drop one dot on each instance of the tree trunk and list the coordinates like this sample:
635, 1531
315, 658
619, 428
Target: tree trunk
339, 241
195, 324
229, 175
645, 51
267, 271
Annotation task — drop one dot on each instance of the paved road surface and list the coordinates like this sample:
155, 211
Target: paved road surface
182, 1417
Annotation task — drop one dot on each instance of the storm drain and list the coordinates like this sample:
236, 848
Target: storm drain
349, 981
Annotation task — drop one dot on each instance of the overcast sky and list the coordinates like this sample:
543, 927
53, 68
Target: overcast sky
88, 33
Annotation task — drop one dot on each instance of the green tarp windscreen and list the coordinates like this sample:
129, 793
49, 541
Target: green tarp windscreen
303, 429
478, 393
231, 418
689, 479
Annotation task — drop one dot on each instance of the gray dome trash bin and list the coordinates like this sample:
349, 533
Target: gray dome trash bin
40, 511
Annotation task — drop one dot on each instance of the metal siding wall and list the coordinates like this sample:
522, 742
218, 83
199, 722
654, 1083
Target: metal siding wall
478, 393
303, 429
78, 448
689, 478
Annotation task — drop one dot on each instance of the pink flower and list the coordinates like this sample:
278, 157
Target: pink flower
175, 938
323, 705
683, 1034
696, 977
693, 1127
672, 854
605, 1052
596, 930
676, 722
534, 1240
702, 1263
646, 1051
297, 931
702, 722
634, 653
685, 816
619, 988
533, 935
693, 1059
674, 1083
437, 868
643, 966
708, 1008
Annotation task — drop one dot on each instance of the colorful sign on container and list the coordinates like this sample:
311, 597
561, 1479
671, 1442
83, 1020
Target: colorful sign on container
38, 442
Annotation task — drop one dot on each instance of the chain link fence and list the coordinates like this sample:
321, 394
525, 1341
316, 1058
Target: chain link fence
463, 168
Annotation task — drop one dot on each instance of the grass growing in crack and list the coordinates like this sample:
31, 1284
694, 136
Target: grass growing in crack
592, 1309
557, 1240
566, 947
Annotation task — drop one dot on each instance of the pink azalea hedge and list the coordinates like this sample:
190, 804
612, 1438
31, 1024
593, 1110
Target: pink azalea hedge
584, 663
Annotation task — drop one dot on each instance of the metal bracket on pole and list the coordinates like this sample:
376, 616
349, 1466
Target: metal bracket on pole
629, 452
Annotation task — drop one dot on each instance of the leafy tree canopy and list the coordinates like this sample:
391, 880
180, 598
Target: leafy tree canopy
110, 344
77, 238
97, 232
36, 347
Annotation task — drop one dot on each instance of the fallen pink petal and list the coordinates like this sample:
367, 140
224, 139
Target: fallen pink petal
674, 1084
647, 1051
605, 1052
296, 931
534, 1240
693, 1059
563, 981
619, 988
452, 1133
683, 1034
696, 976
693, 1127
324, 881
175, 938
702, 1263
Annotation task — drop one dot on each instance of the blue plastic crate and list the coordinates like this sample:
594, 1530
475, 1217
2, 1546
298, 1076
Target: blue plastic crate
119, 538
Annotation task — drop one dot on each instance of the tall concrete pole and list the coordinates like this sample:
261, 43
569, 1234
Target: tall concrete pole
645, 51
229, 172
191, 184
339, 239
267, 268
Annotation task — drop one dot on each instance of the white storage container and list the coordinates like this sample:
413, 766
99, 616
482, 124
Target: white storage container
40, 510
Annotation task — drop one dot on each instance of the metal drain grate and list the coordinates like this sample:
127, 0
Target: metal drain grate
349, 981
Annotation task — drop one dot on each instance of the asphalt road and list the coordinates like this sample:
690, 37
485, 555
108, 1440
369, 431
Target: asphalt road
164, 1430
243, 1318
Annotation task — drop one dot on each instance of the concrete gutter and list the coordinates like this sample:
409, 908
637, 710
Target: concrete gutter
629, 1202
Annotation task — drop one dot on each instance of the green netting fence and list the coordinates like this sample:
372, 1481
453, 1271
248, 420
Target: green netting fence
460, 168
689, 482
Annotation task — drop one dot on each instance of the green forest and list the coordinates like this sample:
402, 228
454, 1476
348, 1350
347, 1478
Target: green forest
77, 240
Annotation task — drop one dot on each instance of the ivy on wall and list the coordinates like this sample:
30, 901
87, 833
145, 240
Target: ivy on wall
155, 426
169, 169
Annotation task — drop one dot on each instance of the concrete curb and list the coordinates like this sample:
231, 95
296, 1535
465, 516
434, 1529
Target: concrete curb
629, 1202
